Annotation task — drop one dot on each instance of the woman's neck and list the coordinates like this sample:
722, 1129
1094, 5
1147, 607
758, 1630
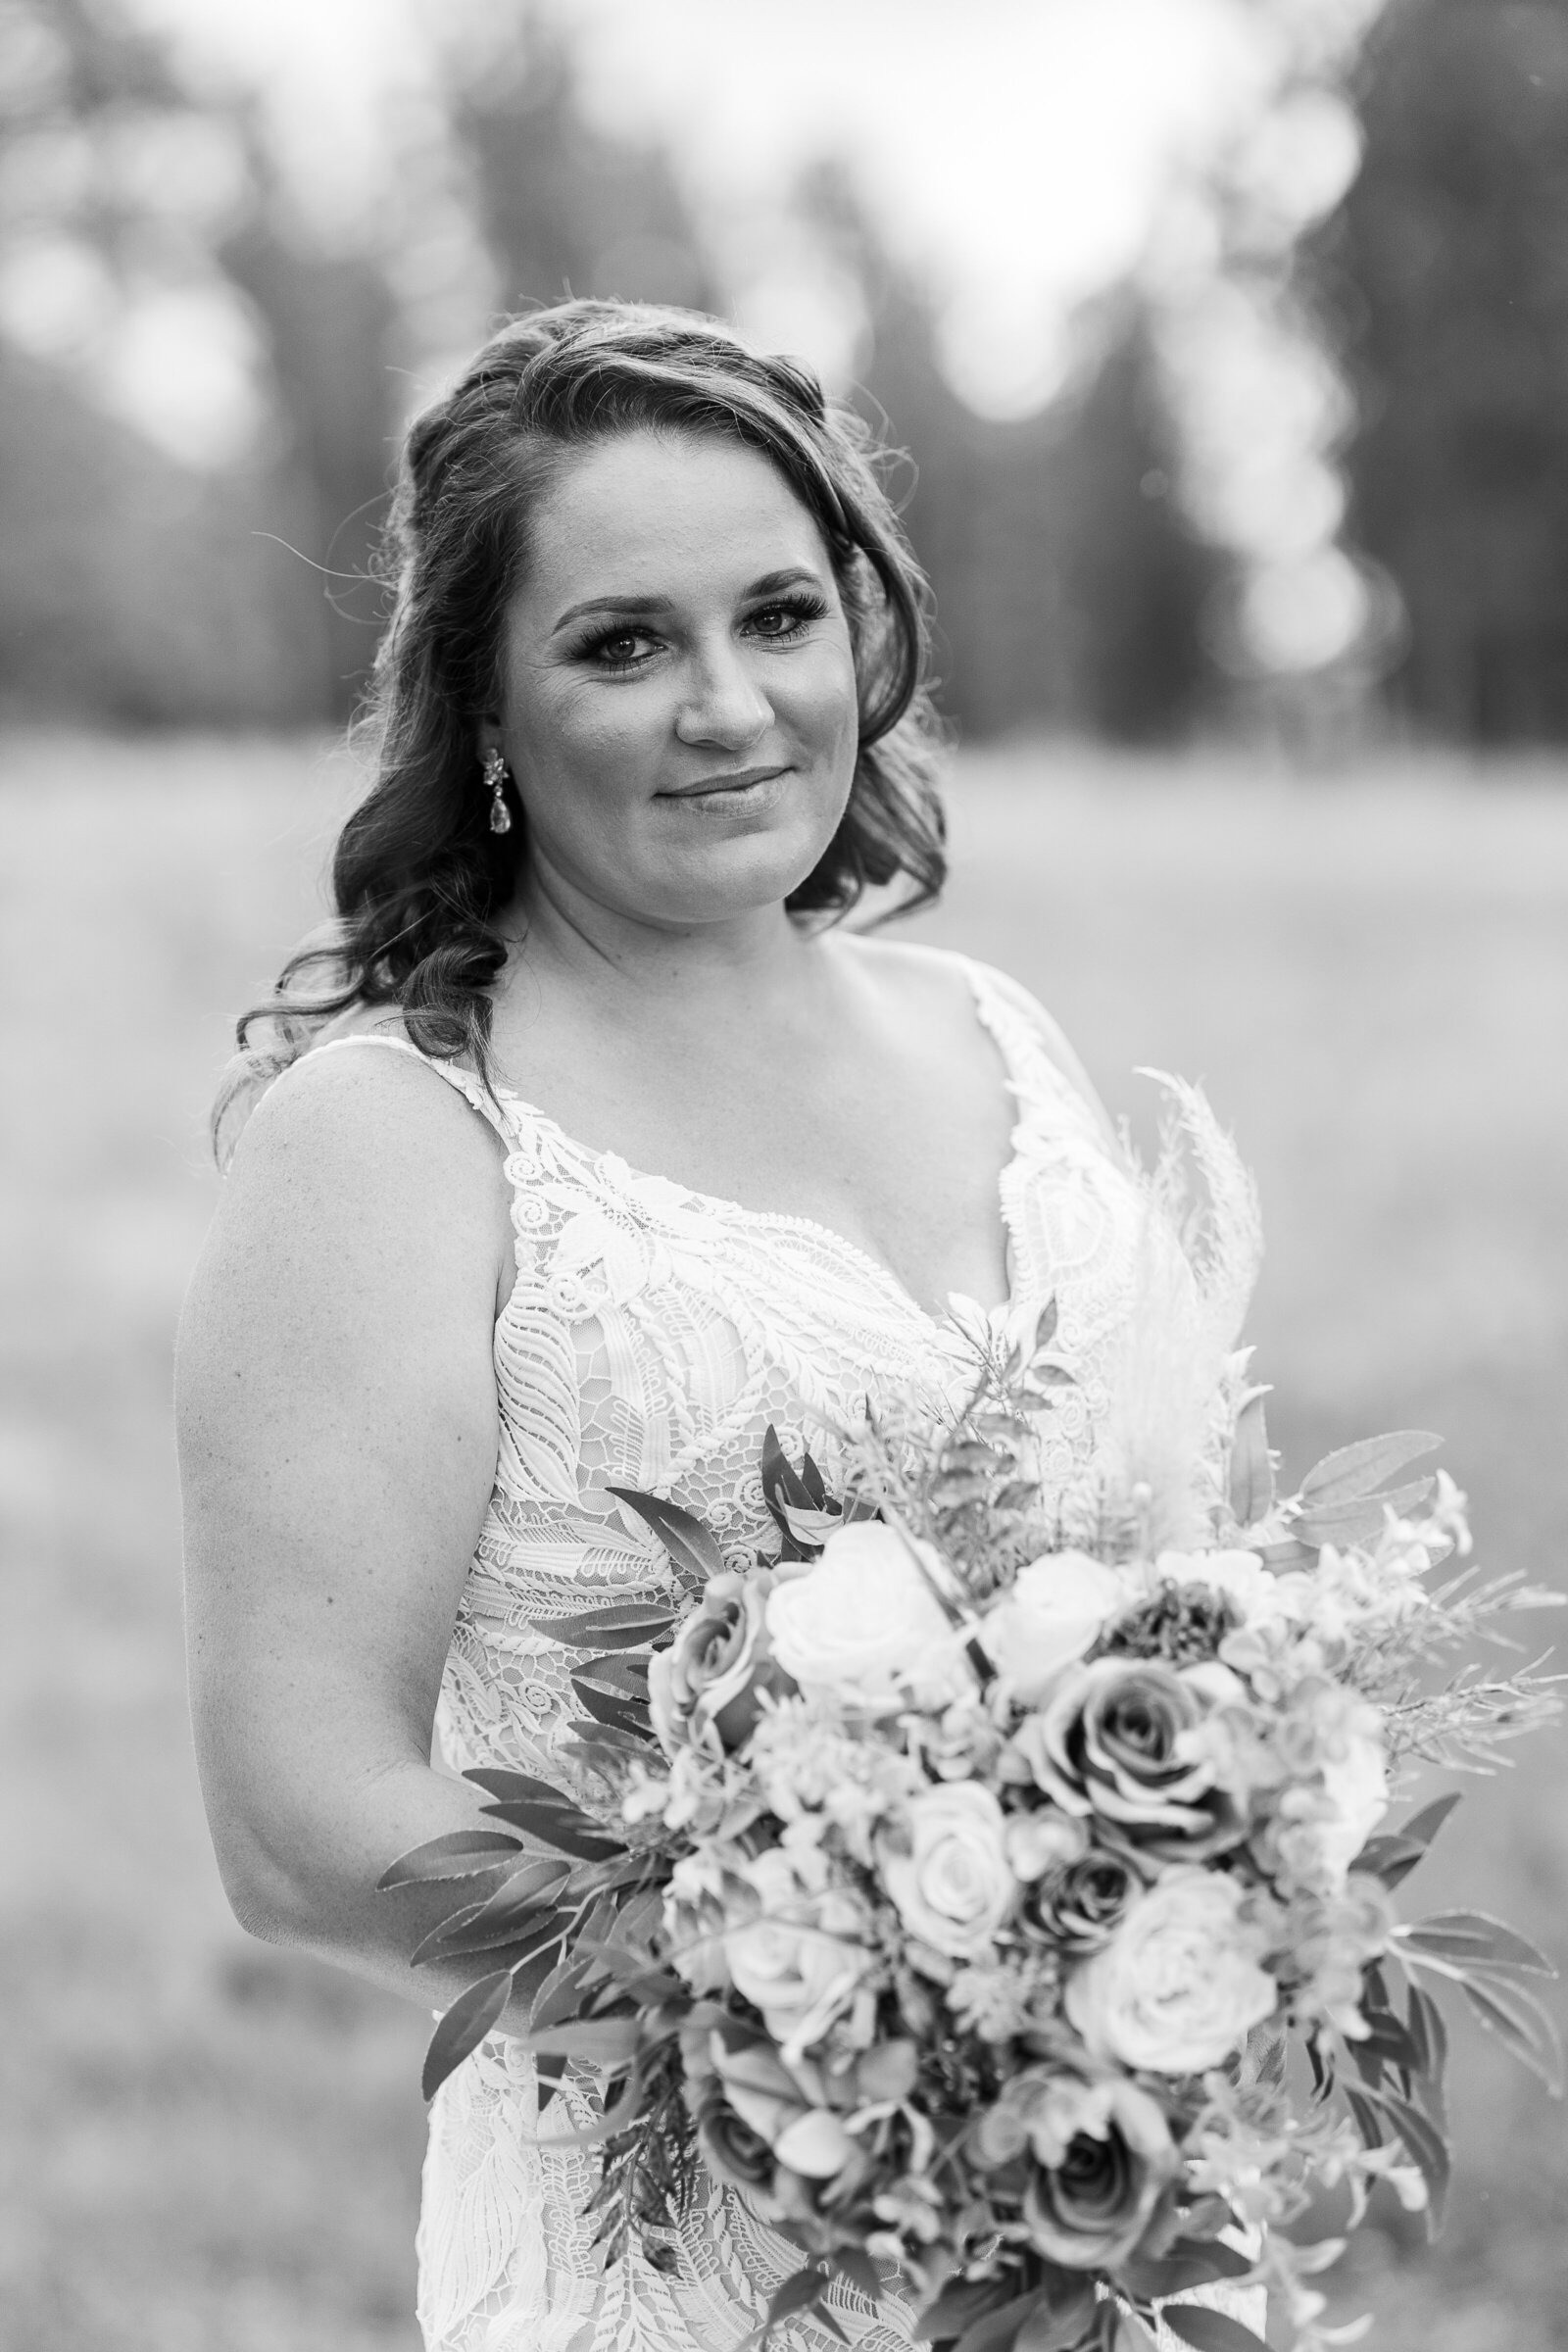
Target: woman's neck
560, 936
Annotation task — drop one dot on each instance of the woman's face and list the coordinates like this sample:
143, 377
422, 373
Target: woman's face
680, 708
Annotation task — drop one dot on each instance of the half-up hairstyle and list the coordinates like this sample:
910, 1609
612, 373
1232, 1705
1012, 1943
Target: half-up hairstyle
418, 876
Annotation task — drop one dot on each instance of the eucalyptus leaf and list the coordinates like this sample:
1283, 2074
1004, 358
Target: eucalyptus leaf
626, 1676
855, 2265
434, 1946
801, 2290
1252, 1472
567, 1831
1388, 2037
691, 1545
614, 2119
607, 2042
1150, 2276
616, 1713
1519, 2021
1057, 2326
519, 1893
1474, 1939
631, 1625
960, 2304
463, 2026
1430, 2152
1434, 2034
1422, 1828
1349, 1523
1389, 1857
782, 1484
1354, 1471
1210, 2331
458, 1854
597, 1745
998, 2330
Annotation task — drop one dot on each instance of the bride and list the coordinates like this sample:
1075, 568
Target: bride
594, 1143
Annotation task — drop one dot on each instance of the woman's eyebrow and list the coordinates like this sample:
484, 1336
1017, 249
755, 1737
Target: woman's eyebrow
768, 584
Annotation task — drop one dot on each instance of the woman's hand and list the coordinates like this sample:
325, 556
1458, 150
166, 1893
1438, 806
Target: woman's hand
337, 1426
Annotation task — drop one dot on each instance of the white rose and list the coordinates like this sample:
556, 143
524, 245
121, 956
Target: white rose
863, 1621
955, 1886
1178, 1987
1052, 1613
802, 1958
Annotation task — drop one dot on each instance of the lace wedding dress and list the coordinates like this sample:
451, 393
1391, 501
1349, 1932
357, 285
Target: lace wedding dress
652, 1335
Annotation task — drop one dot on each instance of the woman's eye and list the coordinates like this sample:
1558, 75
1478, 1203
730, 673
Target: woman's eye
620, 649
785, 620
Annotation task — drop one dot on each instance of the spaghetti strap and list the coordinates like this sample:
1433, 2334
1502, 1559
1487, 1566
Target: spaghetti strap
465, 1082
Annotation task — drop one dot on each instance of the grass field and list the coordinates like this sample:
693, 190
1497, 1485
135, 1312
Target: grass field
210, 2146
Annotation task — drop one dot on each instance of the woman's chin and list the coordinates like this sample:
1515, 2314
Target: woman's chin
738, 872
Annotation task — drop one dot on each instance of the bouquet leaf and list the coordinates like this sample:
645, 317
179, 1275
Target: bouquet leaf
1431, 2036
1392, 1856
854, 2264
615, 1712
1152, 2276
1251, 1475
1351, 1523
458, 1854
1057, 2326
1353, 1472
1428, 2151
690, 1547
521, 1900
1471, 1940
1519, 2021
463, 2026
533, 1805
960, 2304
622, 1676
997, 2331
609, 2043
1210, 2331
528, 1932
629, 1624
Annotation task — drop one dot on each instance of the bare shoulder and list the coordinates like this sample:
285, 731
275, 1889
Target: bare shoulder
375, 1105
357, 1161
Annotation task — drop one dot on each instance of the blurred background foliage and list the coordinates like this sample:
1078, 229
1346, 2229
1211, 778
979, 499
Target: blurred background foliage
1306, 465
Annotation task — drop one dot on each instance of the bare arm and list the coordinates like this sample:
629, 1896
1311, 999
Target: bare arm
337, 1430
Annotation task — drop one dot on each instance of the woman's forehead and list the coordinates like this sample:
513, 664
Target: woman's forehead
646, 515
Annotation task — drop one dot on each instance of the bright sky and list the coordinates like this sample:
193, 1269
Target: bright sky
1016, 149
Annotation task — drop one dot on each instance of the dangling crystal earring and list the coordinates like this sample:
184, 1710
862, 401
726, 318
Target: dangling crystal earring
495, 777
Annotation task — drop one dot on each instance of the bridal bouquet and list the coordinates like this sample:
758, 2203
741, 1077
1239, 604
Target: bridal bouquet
997, 1891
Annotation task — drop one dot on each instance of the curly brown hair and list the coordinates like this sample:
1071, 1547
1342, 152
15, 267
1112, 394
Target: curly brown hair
417, 875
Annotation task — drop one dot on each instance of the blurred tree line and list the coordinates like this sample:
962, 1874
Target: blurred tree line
1443, 279
144, 581
137, 587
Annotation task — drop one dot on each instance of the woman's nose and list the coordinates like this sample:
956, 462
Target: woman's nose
725, 705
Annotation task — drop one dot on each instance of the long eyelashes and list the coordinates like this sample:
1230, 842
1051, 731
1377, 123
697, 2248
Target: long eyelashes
797, 611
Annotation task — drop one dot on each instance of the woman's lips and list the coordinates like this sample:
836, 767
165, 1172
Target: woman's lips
749, 792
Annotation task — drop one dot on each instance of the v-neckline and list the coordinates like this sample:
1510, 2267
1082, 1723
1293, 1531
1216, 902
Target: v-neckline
736, 1211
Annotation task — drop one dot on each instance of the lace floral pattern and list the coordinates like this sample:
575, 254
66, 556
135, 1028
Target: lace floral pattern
652, 1335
